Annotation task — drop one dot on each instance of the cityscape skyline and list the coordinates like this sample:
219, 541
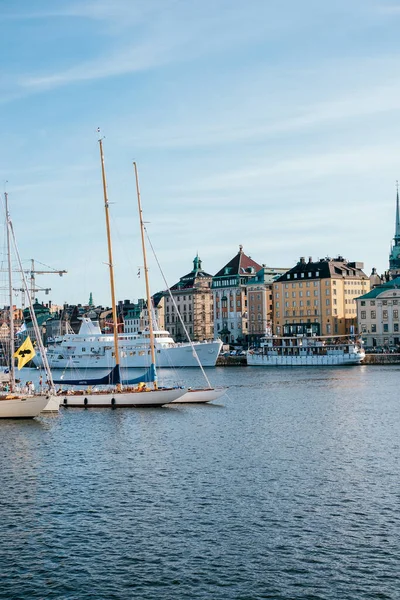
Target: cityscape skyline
271, 127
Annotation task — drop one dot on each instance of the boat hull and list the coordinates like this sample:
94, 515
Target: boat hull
200, 396
24, 407
53, 405
122, 399
262, 360
175, 356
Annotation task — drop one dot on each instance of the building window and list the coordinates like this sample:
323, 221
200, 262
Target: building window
373, 314
395, 314
385, 314
373, 328
362, 302
363, 329
396, 327
372, 303
385, 328
363, 314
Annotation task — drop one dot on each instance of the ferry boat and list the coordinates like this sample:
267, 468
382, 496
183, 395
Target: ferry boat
90, 348
306, 351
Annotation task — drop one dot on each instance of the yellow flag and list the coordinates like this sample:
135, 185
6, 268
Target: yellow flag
25, 353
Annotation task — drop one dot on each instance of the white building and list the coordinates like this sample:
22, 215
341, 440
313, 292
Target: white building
378, 315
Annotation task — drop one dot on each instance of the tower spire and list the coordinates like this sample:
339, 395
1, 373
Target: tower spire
397, 228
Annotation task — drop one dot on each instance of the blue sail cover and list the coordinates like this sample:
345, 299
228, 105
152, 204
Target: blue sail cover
112, 378
147, 377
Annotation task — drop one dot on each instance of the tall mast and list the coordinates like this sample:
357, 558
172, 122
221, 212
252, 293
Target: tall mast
10, 291
146, 276
110, 256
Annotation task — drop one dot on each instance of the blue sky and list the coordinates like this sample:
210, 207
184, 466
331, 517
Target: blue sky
269, 124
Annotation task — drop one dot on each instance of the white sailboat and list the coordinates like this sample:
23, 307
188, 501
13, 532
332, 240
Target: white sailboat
193, 395
14, 403
116, 394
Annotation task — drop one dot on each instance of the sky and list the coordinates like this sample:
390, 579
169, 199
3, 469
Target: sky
274, 125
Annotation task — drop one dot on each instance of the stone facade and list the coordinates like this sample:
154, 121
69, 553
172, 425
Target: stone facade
378, 315
259, 300
229, 287
194, 300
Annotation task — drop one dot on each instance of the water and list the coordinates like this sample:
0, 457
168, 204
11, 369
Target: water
288, 488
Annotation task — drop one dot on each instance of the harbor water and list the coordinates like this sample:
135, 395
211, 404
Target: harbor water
286, 488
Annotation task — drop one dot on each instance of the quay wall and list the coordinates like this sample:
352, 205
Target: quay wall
381, 359
231, 361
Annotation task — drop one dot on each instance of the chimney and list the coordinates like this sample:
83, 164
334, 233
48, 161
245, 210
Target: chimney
309, 259
302, 260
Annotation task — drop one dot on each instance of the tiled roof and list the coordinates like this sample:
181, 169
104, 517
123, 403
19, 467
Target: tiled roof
239, 265
326, 268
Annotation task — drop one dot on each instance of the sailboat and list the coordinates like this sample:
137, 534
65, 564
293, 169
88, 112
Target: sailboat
134, 392
13, 403
193, 395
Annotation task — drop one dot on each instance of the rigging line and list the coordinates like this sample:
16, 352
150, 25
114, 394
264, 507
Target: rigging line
177, 311
33, 316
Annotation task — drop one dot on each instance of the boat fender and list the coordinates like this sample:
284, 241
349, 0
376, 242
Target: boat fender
65, 402
85, 401
112, 401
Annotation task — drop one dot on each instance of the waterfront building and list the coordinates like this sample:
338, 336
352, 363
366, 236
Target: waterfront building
319, 297
194, 300
229, 288
134, 320
378, 315
259, 300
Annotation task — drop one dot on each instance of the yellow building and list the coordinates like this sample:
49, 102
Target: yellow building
319, 294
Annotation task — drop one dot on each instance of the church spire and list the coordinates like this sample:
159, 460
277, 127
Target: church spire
397, 228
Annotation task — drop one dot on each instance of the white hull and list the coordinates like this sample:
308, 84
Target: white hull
122, 399
176, 356
22, 407
53, 405
262, 360
200, 396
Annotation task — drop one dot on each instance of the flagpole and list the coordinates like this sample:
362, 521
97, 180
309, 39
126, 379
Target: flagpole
10, 291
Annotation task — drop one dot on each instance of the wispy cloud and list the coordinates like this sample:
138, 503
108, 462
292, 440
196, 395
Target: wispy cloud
301, 169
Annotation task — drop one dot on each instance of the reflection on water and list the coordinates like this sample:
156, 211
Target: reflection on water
287, 488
